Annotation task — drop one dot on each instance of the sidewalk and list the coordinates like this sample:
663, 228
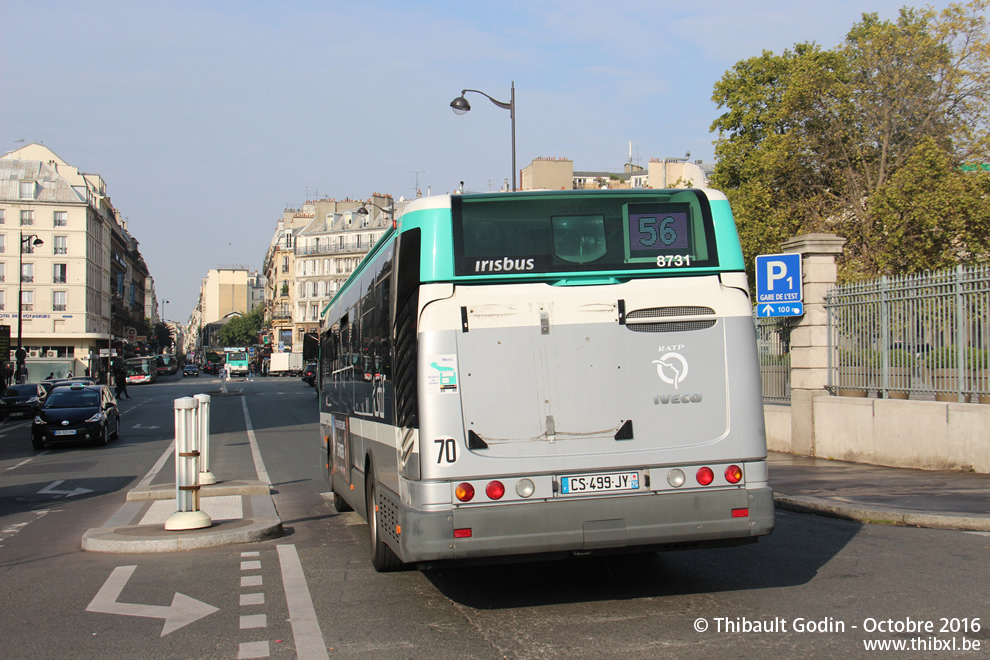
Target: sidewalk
874, 494
240, 507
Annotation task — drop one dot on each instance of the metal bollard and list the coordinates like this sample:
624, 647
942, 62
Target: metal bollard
187, 514
205, 476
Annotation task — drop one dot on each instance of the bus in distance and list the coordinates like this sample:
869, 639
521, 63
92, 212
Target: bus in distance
544, 374
236, 362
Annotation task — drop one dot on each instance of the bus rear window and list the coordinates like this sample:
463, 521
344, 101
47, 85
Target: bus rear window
571, 232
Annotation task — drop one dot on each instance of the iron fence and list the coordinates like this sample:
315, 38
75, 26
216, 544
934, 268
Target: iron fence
918, 335
773, 341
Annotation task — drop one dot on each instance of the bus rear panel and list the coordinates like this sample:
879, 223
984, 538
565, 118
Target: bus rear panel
582, 376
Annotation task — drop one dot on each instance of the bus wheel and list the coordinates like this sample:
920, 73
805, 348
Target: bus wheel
382, 557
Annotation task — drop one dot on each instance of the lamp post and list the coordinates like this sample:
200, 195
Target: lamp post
164, 302
390, 212
25, 240
460, 106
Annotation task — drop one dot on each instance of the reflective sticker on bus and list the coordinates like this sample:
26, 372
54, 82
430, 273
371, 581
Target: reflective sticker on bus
442, 377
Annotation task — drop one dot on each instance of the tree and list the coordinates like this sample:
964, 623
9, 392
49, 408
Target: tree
242, 330
816, 140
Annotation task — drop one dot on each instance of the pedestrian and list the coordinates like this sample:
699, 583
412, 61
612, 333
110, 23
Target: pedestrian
22, 375
51, 376
121, 381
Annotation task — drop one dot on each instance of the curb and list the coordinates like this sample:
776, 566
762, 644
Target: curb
153, 538
867, 514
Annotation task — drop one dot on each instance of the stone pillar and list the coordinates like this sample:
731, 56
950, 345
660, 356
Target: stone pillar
809, 333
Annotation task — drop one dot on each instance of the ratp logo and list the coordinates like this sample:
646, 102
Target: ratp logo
672, 368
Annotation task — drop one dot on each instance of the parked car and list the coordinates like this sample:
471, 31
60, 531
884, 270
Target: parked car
23, 400
309, 373
77, 412
190, 370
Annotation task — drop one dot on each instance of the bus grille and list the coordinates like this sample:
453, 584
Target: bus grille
671, 326
660, 312
406, 401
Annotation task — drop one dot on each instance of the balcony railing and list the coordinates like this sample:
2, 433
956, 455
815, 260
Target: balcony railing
315, 250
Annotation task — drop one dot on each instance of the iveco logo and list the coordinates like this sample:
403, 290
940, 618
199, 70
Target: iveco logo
672, 368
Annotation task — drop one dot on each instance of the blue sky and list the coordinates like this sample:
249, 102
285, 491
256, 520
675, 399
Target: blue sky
207, 118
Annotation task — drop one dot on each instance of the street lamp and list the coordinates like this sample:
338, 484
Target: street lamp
20, 355
164, 302
363, 210
460, 106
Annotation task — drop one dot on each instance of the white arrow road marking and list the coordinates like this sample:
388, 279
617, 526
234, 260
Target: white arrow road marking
183, 610
50, 490
138, 426
768, 309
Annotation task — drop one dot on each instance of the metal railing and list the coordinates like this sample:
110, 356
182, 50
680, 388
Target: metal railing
773, 340
920, 335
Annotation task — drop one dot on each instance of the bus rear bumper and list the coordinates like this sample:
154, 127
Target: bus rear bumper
587, 525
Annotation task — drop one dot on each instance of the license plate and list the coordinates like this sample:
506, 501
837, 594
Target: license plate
599, 483
65, 432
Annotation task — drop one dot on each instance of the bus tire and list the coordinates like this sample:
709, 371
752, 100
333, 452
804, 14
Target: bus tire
382, 557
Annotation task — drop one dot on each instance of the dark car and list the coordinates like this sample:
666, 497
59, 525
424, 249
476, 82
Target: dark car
77, 412
190, 370
23, 400
309, 373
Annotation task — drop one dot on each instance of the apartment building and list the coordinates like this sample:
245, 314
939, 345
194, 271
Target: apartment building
660, 173
72, 278
314, 250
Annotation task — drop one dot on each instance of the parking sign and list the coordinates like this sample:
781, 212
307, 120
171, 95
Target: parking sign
778, 285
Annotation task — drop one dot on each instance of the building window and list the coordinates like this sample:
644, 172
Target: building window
3, 299
3, 217
27, 247
58, 301
314, 312
3, 271
27, 301
61, 245
59, 272
27, 189
285, 289
285, 264
27, 217
61, 219
27, 272
3, 242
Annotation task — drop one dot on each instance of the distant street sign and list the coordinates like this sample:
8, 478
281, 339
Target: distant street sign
780, 309
778, 285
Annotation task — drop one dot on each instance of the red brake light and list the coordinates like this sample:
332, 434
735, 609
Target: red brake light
705, 476
740, 513
733, 474
464, 492
495, 490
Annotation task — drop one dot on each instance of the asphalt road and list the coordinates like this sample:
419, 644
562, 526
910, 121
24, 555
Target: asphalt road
844, 577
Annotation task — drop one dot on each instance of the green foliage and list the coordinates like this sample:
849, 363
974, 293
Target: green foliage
947, 357
865, 141
899, 358
242, 330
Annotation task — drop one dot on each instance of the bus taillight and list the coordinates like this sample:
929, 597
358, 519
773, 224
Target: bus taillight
705, 476
464, 492
495, 490
733, 474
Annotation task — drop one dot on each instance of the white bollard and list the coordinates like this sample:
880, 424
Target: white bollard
223, 381
187, 514
205, 476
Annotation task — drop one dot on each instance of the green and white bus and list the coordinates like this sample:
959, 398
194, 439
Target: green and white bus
544, 374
